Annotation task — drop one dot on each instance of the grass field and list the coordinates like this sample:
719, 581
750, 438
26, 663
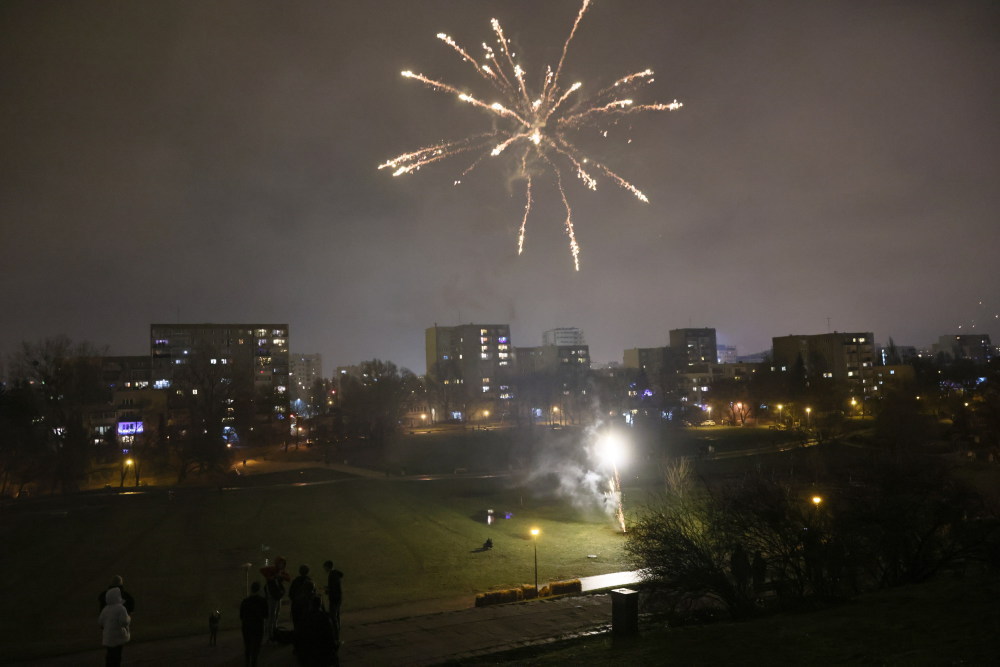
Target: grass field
396, 541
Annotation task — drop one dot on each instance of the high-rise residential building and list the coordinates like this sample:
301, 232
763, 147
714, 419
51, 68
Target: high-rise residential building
696, 346
973, 347
837, 356
650, 360
564, 336
477, 356
727, 354
568, 363
253, 358
303, 371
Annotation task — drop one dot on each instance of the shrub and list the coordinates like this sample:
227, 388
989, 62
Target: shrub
499, 597
564, 587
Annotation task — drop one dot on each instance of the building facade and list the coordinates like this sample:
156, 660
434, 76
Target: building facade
696, 346
564, 336
252, 361
303, 371
839, 356
971, 347
477, 357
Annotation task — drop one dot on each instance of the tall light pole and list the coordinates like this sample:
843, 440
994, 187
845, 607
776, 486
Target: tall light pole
126, 465
534, 542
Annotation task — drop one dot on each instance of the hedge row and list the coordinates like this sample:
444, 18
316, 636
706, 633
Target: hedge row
528, 592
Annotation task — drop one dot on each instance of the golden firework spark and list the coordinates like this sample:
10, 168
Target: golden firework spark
536, 124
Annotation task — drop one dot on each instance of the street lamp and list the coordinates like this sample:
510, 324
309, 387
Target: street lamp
126, 464
817, 500
808, 420
534, 542
780, 406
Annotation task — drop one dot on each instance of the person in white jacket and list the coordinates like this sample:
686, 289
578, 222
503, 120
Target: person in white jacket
114, 621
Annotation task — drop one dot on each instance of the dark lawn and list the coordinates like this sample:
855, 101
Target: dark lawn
396, 541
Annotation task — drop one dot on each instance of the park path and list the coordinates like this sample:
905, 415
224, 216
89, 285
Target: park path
422, 633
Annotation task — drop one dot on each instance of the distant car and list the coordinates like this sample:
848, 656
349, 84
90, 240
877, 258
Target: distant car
708, 422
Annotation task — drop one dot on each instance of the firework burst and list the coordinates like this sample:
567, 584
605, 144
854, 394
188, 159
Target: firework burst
534, 123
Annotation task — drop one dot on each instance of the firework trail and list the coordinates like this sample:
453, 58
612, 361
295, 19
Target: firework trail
537, 125
615, 493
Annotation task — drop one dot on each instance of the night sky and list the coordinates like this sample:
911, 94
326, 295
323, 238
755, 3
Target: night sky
836, 166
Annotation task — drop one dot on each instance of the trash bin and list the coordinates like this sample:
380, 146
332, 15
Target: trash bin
624, 612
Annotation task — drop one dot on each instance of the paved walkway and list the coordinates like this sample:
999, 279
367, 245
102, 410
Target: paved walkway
407, 635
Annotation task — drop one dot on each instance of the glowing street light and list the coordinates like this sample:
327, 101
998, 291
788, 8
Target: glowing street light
808, 420
534, 541
816, 500
126, 465
780, 406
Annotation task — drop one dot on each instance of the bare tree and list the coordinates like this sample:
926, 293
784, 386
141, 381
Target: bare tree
62, 380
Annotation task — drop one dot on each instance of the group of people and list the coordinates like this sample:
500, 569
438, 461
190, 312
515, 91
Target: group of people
315, 630
115, 619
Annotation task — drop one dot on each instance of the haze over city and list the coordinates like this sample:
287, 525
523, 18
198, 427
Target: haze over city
834, 167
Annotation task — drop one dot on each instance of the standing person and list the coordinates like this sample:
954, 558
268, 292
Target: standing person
335, 593
299, 592
275, 577
213, 627
114, 621
316, 640
253, 618
127, 600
